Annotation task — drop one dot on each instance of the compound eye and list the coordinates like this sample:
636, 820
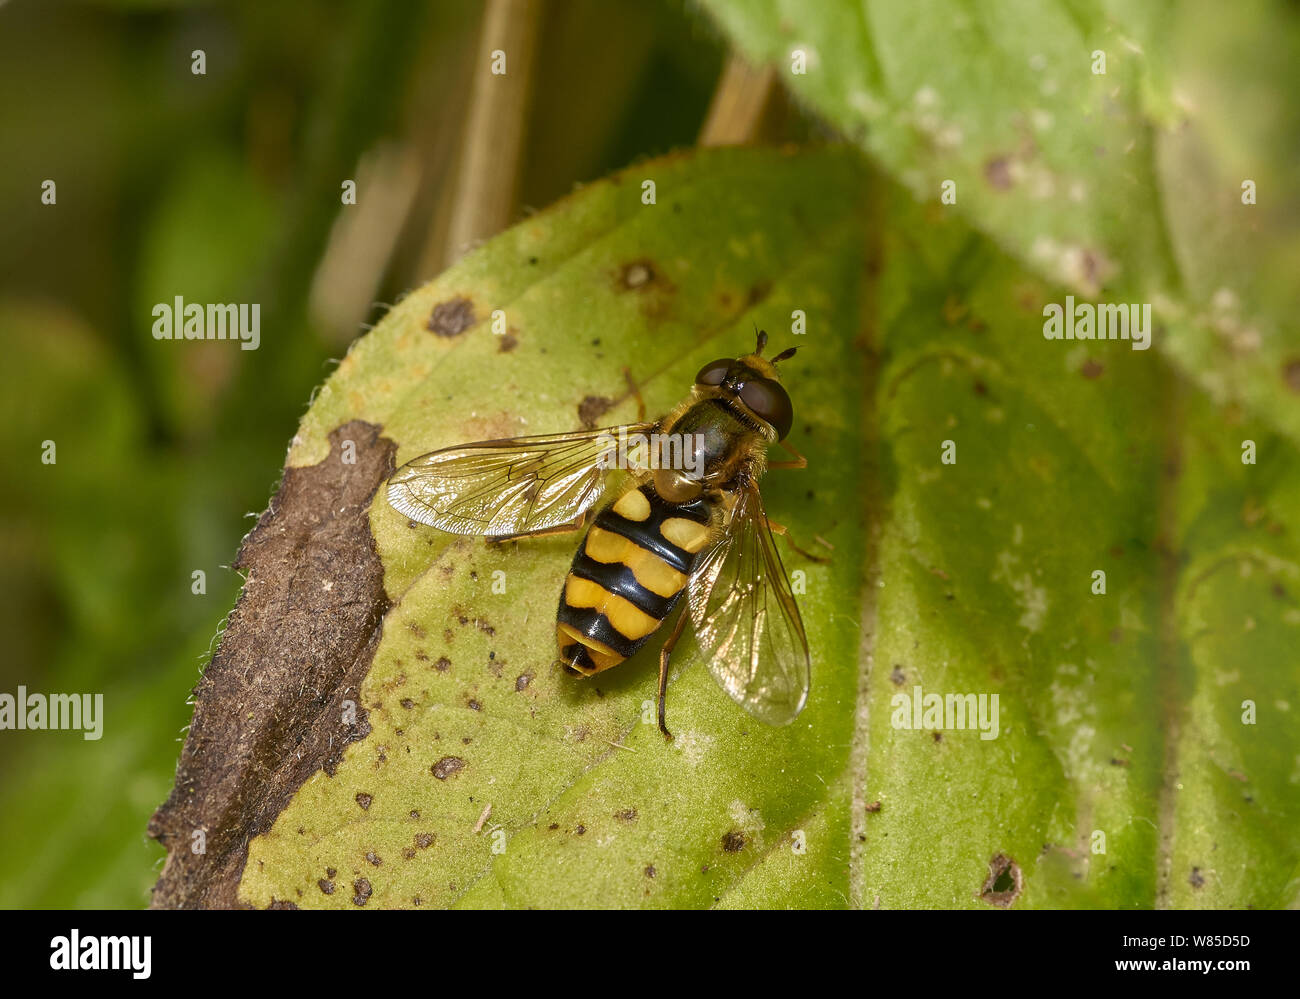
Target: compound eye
768, 401
714, 372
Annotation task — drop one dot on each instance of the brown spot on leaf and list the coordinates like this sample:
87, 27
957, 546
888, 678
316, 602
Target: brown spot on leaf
326, 886
592, 408
997, 172
637, 274
1004, 883
873, 807
293, 647
362, 891
424, 840
1091, 267
364, 800
733, 842
897, 676
523, 680
508, 342
452, 317
1092, 369
1291, 374
626, 815
1196, 879
443, 664
447, 766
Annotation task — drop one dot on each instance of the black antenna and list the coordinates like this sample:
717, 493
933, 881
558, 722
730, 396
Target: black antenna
785, 355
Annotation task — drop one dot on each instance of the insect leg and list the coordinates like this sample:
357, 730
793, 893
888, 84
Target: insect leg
782, 530
799, 460
664, 653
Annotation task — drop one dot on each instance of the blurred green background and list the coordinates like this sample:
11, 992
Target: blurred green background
223, 187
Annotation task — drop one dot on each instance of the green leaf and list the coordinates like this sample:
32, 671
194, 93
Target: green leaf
1121, 774
1120, 713
1122, 186
463, 674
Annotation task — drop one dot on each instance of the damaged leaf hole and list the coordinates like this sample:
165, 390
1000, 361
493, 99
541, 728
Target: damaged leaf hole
1004, 883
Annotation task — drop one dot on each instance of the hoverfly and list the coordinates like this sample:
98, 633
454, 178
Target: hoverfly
699, 530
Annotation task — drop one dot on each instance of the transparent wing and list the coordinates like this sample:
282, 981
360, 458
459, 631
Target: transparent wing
746, 618
511, 486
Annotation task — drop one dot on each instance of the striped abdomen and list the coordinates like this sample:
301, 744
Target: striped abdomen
627, 576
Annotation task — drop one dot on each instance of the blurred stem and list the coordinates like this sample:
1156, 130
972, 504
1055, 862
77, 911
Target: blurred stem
741, 105
375, 54
488, 175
